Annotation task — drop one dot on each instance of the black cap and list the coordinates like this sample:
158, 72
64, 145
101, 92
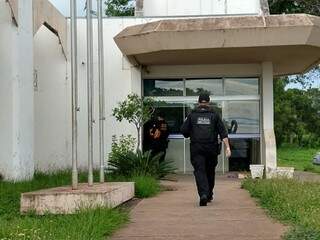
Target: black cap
204, 98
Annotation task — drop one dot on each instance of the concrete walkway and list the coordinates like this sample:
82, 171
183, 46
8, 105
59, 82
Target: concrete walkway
175, 215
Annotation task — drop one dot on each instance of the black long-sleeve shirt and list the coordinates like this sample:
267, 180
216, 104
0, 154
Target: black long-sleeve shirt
203, 125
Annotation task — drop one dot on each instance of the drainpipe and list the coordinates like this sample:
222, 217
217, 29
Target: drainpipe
74, 92
101, 88
90, 91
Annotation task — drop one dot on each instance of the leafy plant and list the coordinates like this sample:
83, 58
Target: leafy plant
119, 7
146, 186
131, 164
123, 145
135, 110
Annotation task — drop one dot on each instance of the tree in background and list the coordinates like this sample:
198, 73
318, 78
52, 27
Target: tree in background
137, 111
119, 7
295, 6
297, 111
297, 115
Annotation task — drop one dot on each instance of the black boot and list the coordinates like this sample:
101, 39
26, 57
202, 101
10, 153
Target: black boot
203, 201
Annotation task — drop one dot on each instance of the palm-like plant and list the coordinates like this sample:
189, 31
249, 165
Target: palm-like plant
139, 164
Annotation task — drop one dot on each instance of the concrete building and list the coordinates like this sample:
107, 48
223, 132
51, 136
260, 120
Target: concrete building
170, 50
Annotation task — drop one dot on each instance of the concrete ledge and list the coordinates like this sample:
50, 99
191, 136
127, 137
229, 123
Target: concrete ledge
64, 200
280, 172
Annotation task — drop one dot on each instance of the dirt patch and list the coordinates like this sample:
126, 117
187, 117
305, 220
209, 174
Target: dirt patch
131, 204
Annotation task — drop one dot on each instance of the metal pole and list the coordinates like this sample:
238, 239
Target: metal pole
101, 88
90, 91
74, 92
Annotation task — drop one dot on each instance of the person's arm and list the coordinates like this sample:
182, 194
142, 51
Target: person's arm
186, 127
227, 145
222, 131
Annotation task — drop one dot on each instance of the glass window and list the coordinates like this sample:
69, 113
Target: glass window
241, 116
170, 87
211, 86
241, 86
173, 113
217, 106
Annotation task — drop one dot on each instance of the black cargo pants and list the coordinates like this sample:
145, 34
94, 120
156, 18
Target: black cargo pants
204, 160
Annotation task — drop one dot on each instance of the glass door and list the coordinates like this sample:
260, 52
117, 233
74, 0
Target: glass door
237, 100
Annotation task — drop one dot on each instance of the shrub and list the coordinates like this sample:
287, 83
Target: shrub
130, 164
136, 110
146, 186
121, 146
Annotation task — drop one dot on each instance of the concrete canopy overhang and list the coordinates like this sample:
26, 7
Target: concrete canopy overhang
291, 42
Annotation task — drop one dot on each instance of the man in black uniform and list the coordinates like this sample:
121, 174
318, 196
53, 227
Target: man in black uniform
203, 126
158, 136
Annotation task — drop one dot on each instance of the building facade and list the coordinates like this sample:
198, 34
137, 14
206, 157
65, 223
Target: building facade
170, 51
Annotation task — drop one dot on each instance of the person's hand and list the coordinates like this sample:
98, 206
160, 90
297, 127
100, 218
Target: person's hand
156, 134
228, 152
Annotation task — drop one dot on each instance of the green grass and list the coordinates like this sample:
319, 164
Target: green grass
86, 224
146, 186
292, 202
299, 158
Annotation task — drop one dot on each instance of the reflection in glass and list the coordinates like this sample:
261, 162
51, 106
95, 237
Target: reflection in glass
244, 153
210, 86
241, 86
216, 105
173, 115
241, 116
172, 87
175, 153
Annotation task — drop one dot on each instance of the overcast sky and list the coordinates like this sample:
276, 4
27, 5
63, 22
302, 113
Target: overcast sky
64, 6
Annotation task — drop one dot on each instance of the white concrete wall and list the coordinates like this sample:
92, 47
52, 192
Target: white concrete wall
16, 93
51, 103
200, 7
6, 79
53, 99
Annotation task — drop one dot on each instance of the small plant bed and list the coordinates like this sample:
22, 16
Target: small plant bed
86, 224
145, 186
299, 158
292, 202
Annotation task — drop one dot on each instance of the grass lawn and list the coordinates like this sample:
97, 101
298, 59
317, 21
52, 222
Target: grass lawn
299, 158
292, 202
87, 224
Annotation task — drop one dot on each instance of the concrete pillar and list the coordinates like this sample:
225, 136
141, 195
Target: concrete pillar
16, 93
269, 151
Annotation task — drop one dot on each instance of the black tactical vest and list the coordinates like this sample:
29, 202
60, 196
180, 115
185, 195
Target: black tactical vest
203, 126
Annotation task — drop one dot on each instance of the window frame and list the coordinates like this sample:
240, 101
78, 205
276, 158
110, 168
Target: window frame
223, 98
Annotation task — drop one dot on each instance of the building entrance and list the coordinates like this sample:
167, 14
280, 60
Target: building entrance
237, 100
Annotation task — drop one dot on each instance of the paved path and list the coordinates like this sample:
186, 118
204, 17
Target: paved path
175, 215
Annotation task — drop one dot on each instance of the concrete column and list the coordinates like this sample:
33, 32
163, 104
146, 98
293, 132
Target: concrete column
16, 94
269, 151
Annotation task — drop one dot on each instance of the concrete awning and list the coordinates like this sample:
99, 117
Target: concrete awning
291, 42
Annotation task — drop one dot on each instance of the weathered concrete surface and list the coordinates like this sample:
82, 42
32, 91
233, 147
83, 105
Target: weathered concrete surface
175, 215
64, 200
306, 176
290, 42
44, 13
